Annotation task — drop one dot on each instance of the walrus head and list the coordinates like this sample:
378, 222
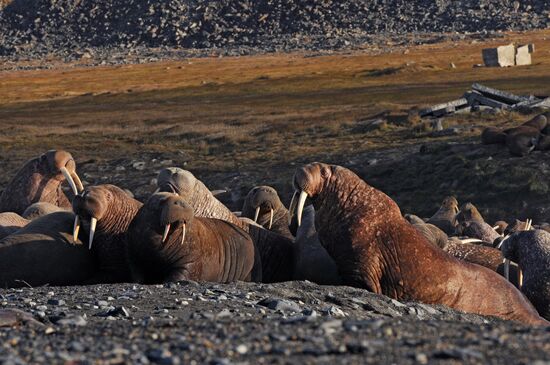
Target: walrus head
171, 214
469, 212
60, 164
176, 180
91, 206
309, 181
450, 203
261, 200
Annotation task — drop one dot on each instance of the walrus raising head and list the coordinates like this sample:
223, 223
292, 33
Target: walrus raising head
468, 213
39, 180
445, 217
262, 204
168, 243
375, 248
105, 212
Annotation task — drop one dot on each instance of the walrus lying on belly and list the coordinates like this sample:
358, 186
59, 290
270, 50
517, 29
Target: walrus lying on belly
377, 249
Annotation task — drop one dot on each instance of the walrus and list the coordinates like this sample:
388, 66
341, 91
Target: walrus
493, 135
444, 218
40, 209
500, 227
515, 226
311, 261
105, 212
168, 243
469, 213
479, 230
375, 248
432, 233
531, 251
45, 253
539, 122
275, 251
10, 223
39, 180
263, 205
522, 140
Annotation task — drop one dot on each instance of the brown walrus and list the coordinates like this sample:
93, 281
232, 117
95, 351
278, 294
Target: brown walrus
275, 250
263, 205
522, 140
444, 218
469, 213
168, 243
44, 253
480, 230
105, 213
531, 251
377, 249
493, 135
11, 223
40, 209
40, 179
539, 122
432, 233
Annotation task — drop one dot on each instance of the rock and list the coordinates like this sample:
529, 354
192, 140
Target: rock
16, 317
162, 357
283, 305
56, 302
114, 312
72, 321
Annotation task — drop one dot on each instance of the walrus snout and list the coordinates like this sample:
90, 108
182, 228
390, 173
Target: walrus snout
261, 199
174, 212
91, 205
63, 162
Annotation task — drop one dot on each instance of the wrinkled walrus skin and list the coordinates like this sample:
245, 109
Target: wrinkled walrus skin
531, 250
43, 253
377, 249
39, 180
211, 250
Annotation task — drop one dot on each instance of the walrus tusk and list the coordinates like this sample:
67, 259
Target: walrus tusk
165, 234
501, 242
93, 224
471, 240
183, 234
292, 207
507, 269
70, 180
528, 224
520, 278
78, 182
156, 191
300, 207
256, 215
76, 228
270, 219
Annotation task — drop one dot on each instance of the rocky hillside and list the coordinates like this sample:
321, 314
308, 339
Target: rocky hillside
69, 26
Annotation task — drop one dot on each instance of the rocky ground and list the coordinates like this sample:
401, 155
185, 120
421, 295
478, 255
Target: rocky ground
295, 322
119, 31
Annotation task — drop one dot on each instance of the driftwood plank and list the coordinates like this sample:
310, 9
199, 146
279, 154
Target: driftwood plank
499, 95
443, 107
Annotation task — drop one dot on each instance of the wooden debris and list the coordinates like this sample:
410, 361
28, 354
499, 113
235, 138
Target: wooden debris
483, 97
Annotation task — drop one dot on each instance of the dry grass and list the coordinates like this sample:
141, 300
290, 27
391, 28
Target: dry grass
261, 112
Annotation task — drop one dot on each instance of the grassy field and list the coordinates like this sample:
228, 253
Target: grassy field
258, 115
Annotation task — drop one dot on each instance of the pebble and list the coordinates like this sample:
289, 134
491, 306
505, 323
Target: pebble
283, 305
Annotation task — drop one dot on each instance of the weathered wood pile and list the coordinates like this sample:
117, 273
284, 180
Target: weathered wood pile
482, 97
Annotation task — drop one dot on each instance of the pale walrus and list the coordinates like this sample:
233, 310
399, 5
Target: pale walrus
263, 205
40, 180
377, 249
44, 253
105, 212
168, 243
445, 217
531, 251
40, 209
275, 250
432, 233
11, 223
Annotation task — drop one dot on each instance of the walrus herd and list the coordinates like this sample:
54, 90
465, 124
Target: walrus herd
338, 230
